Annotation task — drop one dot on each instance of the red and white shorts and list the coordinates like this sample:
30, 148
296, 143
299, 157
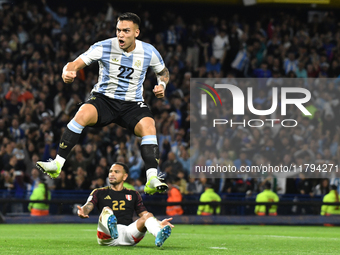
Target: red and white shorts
127, 235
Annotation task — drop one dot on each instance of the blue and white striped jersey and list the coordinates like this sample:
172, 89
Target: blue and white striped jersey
121, 74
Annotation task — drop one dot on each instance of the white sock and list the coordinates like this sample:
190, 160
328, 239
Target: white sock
151, 172
60, 160
153, 226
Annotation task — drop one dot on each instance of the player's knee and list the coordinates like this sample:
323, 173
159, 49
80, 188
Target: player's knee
150, 130
82, 118
145, 126
87, 115
147, 216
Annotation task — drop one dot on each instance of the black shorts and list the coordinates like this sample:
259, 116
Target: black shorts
124, 113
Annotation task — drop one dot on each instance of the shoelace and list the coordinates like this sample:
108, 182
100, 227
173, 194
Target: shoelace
161, 176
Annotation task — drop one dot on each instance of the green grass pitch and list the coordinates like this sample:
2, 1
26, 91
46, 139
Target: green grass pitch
185, 239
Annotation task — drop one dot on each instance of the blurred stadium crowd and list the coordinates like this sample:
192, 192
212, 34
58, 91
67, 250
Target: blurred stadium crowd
38, 40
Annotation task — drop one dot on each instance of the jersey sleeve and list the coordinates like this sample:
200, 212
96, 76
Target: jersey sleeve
156, 62
94, 53
139, 206
93, 198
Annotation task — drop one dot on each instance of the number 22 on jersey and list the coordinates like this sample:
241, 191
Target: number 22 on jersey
124, 69
118, 205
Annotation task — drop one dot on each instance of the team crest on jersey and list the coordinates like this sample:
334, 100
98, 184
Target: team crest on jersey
138, 63
128, 197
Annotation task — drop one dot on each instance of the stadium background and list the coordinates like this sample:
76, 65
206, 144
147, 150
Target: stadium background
35, 47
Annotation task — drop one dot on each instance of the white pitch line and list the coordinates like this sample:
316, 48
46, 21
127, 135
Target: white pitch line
219, 248
295, 237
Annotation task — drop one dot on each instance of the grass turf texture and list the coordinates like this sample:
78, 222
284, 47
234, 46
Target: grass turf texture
185, 239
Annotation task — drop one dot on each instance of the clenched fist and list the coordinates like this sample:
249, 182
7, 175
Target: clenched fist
68, 76
159, 91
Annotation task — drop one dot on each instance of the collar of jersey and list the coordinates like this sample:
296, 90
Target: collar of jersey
116, 190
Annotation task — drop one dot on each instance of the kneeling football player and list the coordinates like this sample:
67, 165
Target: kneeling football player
117, 205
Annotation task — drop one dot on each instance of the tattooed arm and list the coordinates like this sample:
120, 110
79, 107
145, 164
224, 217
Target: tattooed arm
163, 79
85, 210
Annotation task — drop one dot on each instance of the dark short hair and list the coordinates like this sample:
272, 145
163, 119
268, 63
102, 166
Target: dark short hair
334, 187
130, 17
126, 169
267, 185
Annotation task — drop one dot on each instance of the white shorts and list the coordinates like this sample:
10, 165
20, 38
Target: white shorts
127, 235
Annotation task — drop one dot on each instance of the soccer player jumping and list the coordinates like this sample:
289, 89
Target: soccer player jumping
117, 205
118, 96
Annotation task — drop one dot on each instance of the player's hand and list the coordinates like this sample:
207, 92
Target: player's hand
158, 90
81, 213
68, 76
166, 222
